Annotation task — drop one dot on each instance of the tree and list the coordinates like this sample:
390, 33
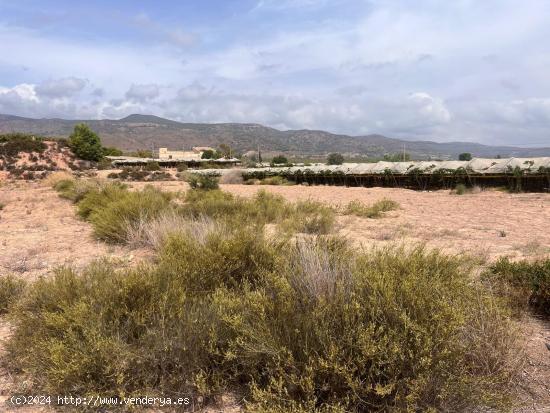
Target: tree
210, 154
465, 156
397, 157
85, 143
279, 159
335, 159
225, 150
111, 151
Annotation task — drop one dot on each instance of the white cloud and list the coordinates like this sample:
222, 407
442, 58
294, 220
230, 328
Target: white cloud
60, 88
465, 70
142, 93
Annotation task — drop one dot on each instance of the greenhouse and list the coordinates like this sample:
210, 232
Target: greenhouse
527, 174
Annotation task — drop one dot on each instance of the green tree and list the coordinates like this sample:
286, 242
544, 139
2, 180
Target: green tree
85, 143
208, 154
225, 150
465, 156
279, 159
335, 159
111, 151
397, 157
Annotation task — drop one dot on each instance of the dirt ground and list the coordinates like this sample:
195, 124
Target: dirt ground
487, 224
39, 231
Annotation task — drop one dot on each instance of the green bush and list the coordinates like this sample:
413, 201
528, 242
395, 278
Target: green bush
370, 211
85, 143
75, 189
13, 143
292, 326
524, 283
104, 163
279, 159
335, 159
97, 198
461, 189
309, 217
152, 166
204, 182
113, 210
11, 289
275, 180
111, 151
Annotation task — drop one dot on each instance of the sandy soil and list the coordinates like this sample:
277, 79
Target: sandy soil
39, 231
488, 224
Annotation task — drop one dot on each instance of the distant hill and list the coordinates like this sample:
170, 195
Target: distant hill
142, 131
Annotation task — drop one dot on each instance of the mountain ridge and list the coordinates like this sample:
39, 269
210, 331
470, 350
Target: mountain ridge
138, 131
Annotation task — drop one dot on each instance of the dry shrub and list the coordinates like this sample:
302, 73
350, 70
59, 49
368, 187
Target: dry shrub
522, 283
292, 325
232, 176
275, 180
113, 218
154, 233
52, 179
375, 210
11, 289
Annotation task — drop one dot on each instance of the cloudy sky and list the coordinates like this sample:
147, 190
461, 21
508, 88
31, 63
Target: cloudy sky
471, 70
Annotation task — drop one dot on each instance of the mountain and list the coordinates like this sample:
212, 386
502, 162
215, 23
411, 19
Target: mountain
145, 131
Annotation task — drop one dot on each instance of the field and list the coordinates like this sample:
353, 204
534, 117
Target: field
40, 231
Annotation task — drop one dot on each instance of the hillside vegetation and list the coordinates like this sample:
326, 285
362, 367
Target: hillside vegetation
142, 131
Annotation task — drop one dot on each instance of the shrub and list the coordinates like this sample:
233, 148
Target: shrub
210, 154
11, 289
75, 189
204, 182
275, 180
373, 211
98, 197
279, 159
524, 283
181, 167
104, 163
85, 143
111, 151
160, 176
461, 189
465, 156
112, 209
13, 143
152, 166
310, 326
232, 176
310, 217
335, 159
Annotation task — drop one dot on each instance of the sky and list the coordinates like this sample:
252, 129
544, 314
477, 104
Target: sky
453, 70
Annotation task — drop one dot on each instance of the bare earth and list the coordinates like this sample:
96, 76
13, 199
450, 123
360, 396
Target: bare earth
39, 231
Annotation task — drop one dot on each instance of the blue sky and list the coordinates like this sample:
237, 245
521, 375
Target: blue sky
467, 70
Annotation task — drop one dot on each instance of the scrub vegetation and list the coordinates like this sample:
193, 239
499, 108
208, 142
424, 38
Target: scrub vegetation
257, 298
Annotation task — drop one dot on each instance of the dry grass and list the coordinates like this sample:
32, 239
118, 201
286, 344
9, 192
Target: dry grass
52, 179
154, 233
375, 210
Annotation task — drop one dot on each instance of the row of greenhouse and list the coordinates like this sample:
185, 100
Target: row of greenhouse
529, 174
